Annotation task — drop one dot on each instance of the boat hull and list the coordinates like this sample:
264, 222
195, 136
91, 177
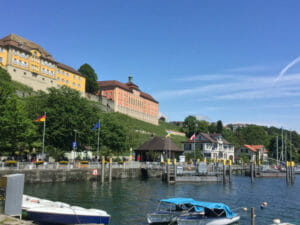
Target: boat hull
52, 218
160, 218
212, 221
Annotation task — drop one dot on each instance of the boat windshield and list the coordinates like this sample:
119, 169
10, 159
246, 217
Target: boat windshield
214, 213
165, 206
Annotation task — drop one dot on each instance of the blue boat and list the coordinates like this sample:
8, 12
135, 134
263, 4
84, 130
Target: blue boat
169, 209
212, 214
67, 215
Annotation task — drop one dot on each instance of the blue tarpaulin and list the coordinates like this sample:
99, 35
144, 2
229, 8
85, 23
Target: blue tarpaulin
212, 205
181, 201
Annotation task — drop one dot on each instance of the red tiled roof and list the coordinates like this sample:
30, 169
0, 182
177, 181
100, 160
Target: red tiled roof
128, 87
255, 148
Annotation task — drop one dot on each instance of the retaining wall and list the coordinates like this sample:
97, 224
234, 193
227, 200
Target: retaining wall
82, 174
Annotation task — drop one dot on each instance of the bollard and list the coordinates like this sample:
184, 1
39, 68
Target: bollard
175, 170
252, 172
110, 170
252, 217
292, 172
287, 167
230, 171
224, 171
102, 169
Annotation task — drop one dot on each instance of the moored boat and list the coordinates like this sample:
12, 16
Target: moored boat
169, 209
67, 215
45, 211
213, 214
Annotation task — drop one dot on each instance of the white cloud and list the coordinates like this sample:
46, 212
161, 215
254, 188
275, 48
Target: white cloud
248, 69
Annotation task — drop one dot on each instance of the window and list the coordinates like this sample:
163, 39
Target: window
67, 82
63, 80
74, 76
73, 84
78, 85
1, 59
63, 72
58, 71
25, 73
78, 78
67, 74
58, 78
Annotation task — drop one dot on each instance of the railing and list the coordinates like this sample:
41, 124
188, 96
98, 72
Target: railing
125, 165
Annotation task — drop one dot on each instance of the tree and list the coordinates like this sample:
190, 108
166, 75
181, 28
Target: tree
219, 127
66, 111
91, 85
189, 125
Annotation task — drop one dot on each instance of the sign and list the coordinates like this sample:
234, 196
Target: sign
95, 172
74, 144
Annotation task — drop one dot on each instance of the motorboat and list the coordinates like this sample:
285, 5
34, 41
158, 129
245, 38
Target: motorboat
212, 214
169, 209
68, 215
44, 211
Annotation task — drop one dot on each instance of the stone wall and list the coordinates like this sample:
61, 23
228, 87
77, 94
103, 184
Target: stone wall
83, 174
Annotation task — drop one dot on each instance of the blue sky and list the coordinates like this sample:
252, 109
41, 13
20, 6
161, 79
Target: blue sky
218, 60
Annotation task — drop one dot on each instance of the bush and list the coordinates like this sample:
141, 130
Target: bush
10, 162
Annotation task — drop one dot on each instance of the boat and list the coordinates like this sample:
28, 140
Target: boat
44, 211
169, 209
70, 215
212, 214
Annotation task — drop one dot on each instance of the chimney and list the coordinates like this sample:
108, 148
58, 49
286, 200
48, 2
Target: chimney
130, 78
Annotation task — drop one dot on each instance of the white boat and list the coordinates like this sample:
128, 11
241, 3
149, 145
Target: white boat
169, 209
214, 214
71, 215
50, 212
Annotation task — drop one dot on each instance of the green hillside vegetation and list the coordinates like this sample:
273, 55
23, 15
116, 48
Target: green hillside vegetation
251, 134
66, 112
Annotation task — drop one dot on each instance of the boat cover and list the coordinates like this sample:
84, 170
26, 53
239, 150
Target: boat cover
212, 205
180, 201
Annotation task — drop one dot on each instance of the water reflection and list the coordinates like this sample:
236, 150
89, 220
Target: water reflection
128, 201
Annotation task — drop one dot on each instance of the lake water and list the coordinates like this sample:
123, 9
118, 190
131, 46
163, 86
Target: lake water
129, 200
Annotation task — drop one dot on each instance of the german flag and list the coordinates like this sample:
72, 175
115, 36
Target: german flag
41, 119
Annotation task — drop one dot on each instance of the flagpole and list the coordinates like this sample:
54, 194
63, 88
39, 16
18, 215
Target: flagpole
98, 139
43, 148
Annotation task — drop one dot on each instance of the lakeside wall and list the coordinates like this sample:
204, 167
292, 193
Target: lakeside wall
80, 174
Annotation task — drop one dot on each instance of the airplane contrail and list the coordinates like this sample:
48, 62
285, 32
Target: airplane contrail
282, 72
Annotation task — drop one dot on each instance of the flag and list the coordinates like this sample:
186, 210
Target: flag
96, 126
192, 137
169, 133
41, 119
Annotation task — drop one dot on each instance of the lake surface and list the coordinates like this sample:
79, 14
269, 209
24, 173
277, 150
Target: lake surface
129, 200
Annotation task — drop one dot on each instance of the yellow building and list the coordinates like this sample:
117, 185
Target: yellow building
30, 64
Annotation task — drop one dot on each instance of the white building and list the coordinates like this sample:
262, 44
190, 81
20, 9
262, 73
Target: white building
211, 146
253, 152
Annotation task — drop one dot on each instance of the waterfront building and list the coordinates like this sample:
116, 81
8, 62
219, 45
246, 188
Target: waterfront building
211, 146
252, 152
30, 64
130, 100
157, 149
